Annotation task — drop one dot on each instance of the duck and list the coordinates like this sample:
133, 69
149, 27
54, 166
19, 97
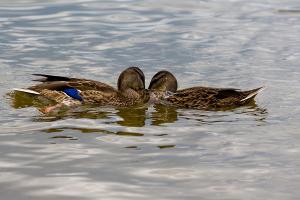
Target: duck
74, 91
161, 85
163, 88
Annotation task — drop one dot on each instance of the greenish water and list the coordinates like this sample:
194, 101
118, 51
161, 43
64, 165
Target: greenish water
153, 152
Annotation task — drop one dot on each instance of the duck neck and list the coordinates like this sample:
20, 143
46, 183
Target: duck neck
138, 96
129, 93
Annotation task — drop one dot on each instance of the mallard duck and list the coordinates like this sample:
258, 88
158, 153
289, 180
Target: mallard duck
70, 91
163, 86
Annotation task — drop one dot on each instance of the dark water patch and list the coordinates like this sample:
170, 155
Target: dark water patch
122, 133
166, 146
63, 137
289, 11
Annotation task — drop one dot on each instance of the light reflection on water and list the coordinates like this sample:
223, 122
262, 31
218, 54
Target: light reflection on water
153, 151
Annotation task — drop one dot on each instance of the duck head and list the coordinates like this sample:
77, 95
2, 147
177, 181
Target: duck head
131, 78
163, 81
131, 83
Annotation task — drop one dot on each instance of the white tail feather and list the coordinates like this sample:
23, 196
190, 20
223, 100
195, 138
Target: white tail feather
26, 91
253, 94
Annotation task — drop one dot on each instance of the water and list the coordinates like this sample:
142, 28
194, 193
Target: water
153, 152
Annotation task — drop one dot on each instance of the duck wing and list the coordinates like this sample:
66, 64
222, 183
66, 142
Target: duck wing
238, 94
59, 83
207, 97
195, 97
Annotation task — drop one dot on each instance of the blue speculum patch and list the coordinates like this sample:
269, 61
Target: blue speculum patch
74, 93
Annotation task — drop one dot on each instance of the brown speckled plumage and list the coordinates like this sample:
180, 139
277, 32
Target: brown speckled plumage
210, 98
131, 89
197, 97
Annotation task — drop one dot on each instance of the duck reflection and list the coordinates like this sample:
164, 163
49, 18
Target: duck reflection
250, 113
164, 114
23, 100
138, 116
132, 116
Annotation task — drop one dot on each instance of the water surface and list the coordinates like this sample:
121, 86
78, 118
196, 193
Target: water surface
153, 152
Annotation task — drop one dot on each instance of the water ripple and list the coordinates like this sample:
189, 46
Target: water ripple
152, 152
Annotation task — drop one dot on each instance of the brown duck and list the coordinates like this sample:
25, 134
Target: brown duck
69, 91
163, 86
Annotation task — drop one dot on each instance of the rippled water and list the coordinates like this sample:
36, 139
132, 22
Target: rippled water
153, 152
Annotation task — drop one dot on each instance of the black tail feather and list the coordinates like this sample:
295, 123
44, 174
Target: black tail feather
49, 78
